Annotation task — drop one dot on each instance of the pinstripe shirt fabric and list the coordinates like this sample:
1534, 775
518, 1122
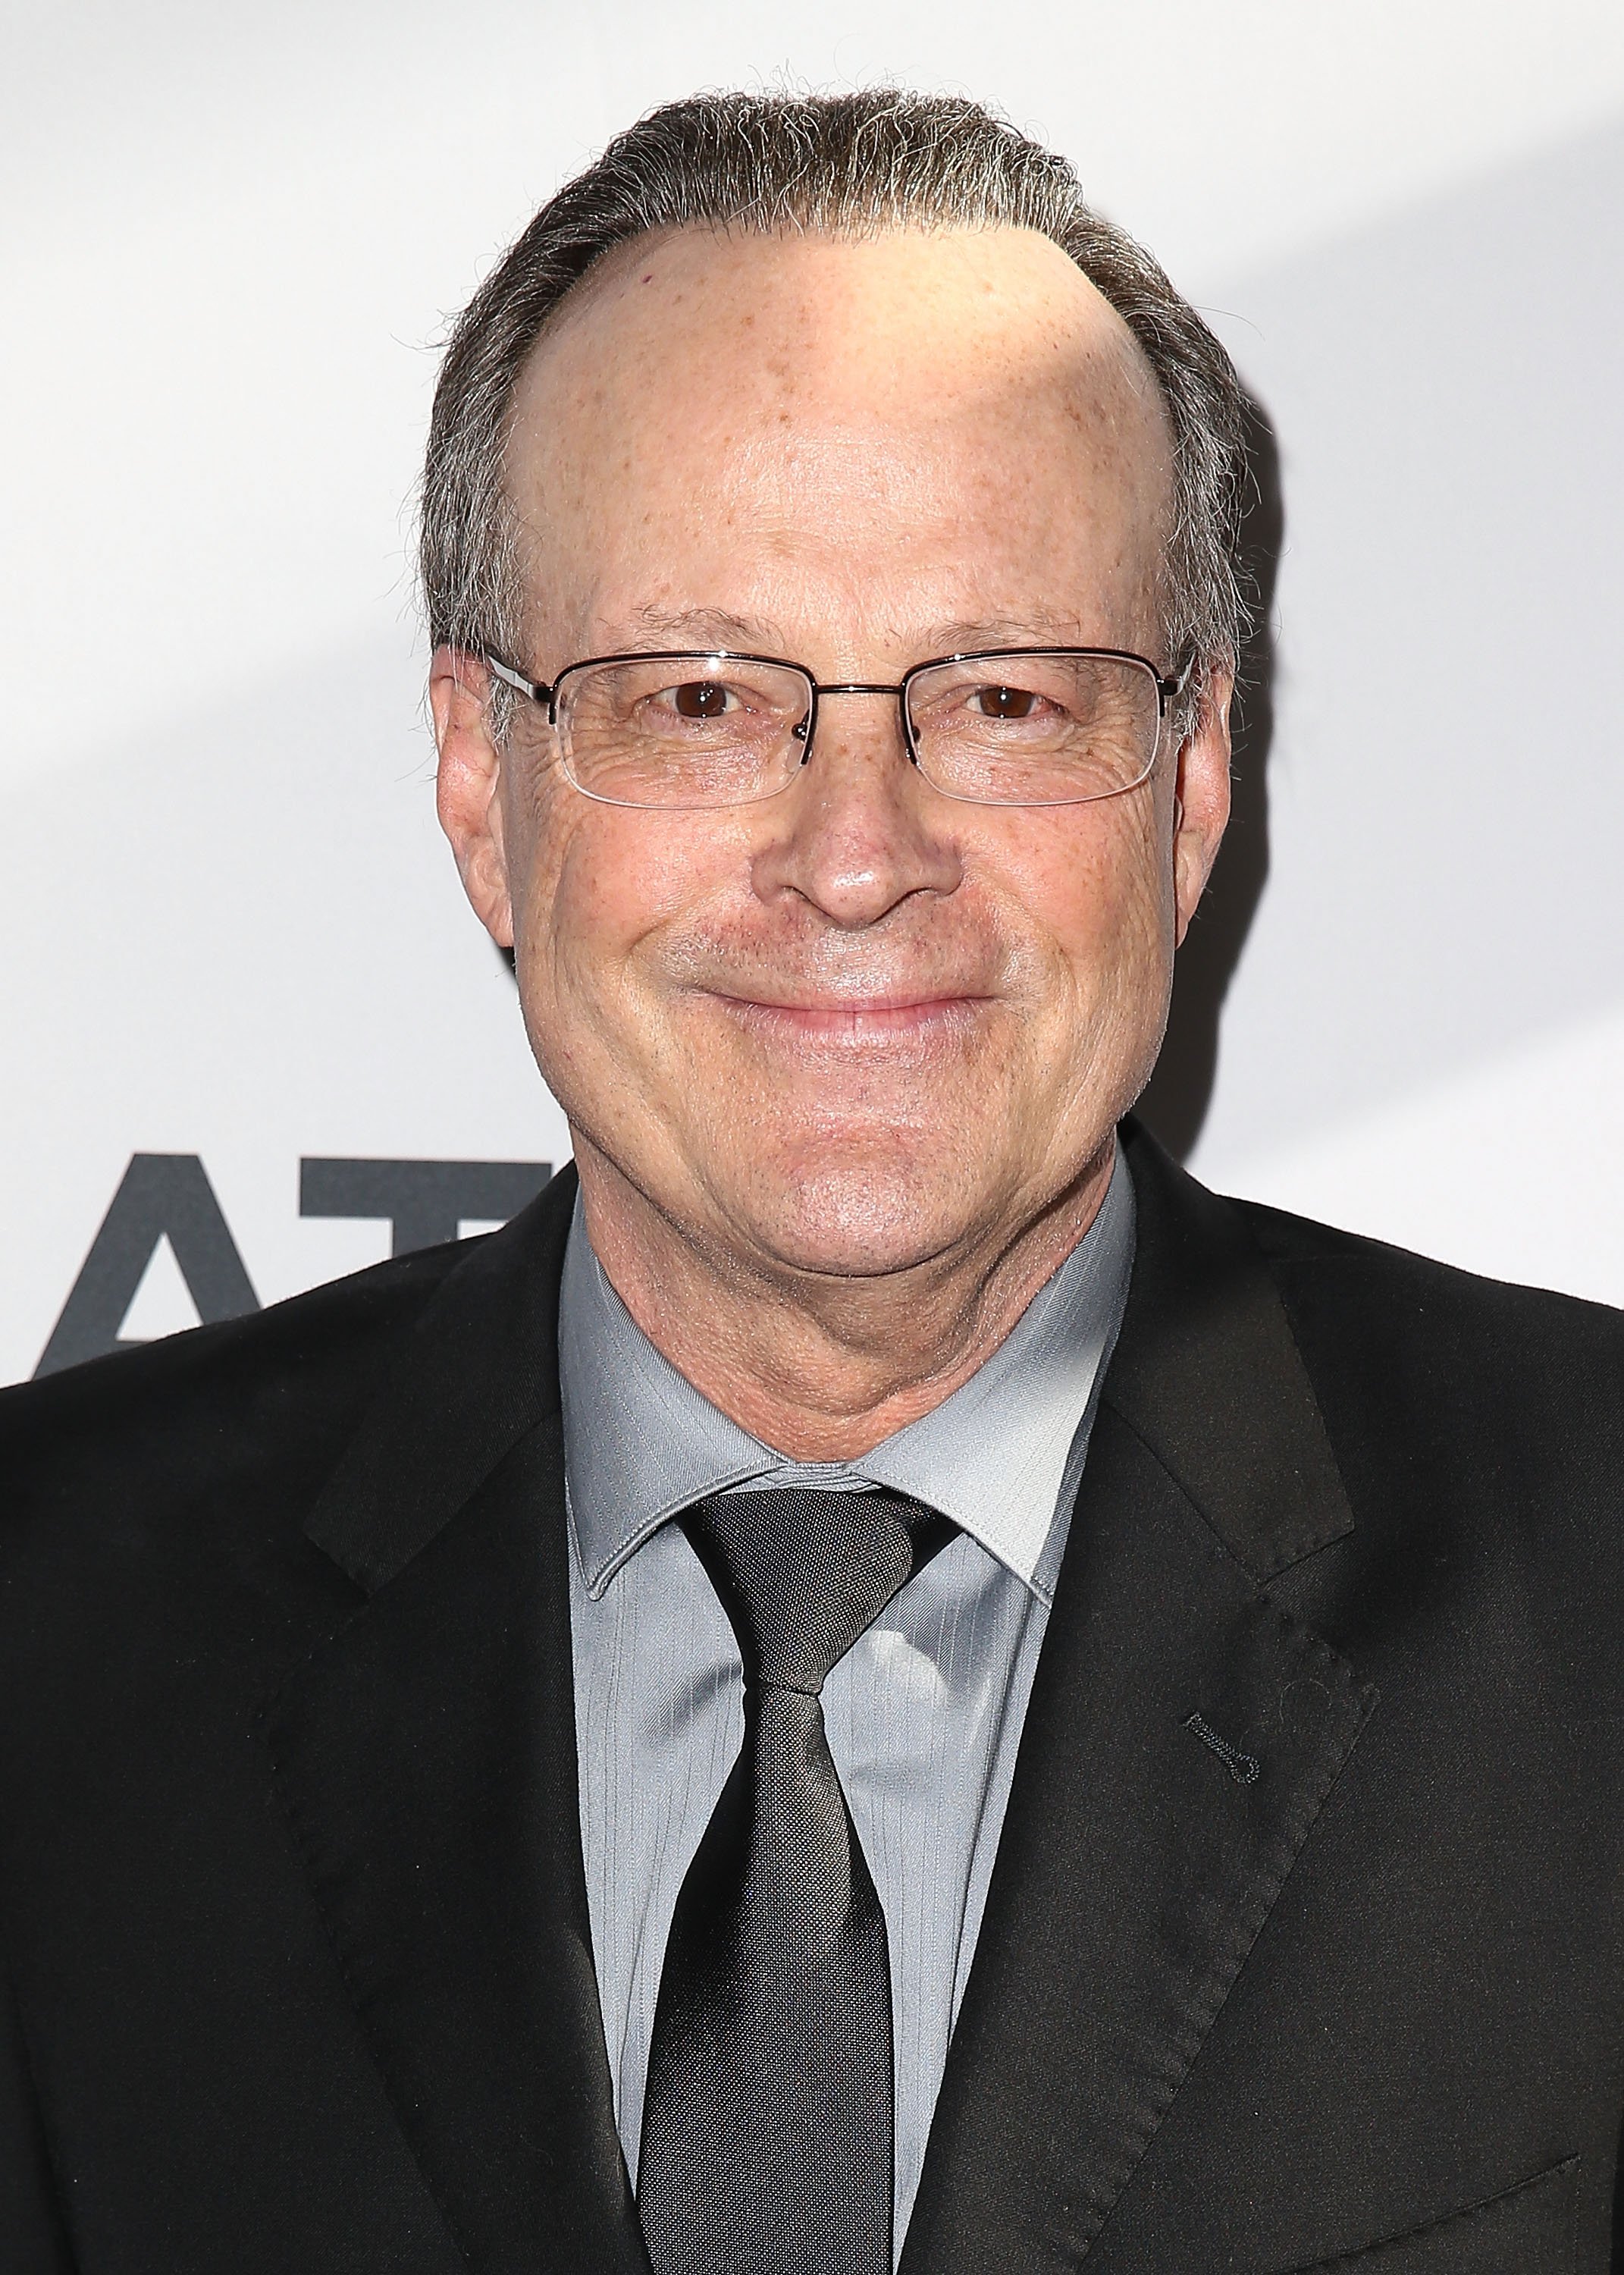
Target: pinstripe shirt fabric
923, 1713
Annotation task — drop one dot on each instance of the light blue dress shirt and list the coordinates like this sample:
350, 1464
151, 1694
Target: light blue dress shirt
923, 1713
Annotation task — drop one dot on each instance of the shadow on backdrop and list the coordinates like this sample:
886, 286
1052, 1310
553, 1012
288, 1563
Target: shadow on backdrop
1175, 1101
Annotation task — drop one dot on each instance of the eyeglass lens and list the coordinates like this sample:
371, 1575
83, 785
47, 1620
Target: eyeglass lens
694, 731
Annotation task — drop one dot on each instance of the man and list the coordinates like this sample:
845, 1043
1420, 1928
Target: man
880, 1678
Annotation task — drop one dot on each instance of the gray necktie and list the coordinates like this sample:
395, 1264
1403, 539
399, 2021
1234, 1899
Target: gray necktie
766, 2143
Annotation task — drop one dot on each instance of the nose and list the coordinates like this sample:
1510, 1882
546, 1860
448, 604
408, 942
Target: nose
860, 831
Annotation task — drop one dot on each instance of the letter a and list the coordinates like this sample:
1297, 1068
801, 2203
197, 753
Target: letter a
161, 1194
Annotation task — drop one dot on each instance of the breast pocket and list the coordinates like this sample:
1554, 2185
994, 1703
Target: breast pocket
1526, 2230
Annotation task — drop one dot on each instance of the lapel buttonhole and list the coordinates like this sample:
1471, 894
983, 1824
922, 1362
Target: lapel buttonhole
1244, 1768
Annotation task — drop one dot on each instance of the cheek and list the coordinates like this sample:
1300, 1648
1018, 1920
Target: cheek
1092, 899
601, 882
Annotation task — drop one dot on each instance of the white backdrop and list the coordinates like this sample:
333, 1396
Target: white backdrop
230, 934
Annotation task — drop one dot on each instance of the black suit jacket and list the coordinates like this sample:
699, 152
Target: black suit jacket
298, 1974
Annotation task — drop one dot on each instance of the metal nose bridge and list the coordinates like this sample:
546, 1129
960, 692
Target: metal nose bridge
805, 731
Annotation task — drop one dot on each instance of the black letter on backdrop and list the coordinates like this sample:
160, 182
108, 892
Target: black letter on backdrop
423, 1201
160, 1193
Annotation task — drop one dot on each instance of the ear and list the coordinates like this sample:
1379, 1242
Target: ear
469, 783
1201, 801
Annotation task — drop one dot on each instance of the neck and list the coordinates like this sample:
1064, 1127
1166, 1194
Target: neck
822, 1366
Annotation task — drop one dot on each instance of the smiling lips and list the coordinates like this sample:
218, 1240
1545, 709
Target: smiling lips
876, 1019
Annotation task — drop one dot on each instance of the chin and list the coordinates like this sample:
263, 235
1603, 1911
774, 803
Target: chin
852, 1219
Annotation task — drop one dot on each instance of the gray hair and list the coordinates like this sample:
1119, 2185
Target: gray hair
850, 164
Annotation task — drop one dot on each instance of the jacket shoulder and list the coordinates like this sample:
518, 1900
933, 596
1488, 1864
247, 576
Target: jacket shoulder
163, 1433
1395, 1287
1479, 1416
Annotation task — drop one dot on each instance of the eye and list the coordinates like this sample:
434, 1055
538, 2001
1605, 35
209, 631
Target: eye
701, 698
1003, 702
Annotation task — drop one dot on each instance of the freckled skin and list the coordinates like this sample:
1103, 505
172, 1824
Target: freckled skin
843, 1066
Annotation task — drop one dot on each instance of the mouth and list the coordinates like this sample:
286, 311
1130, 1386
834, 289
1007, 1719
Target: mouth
857, 1019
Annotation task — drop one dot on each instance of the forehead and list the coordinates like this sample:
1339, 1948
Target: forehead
891, 325
916, 386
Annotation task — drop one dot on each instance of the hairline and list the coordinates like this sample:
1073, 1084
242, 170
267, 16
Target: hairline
589, 290
883, 161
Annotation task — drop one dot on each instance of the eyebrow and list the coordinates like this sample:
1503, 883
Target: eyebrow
721, 628
1042, 627
717, 626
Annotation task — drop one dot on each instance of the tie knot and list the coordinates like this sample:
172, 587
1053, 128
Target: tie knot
802, 1574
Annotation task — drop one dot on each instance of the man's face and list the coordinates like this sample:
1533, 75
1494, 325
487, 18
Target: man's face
859, 1026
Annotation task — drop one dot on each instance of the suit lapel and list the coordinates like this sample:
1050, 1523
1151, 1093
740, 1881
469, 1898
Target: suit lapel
425, 1757
1182, 1736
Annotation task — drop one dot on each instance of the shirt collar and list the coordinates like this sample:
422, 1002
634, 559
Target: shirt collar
640, 1442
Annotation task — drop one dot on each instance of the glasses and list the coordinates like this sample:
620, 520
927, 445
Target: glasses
1013, 726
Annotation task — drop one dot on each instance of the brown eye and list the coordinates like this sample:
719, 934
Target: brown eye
700, 699
1005, 702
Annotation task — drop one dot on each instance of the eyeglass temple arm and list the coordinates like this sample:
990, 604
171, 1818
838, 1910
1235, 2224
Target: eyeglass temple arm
1169, 688
538, 690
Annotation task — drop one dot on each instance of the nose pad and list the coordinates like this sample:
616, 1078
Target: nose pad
801, 732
